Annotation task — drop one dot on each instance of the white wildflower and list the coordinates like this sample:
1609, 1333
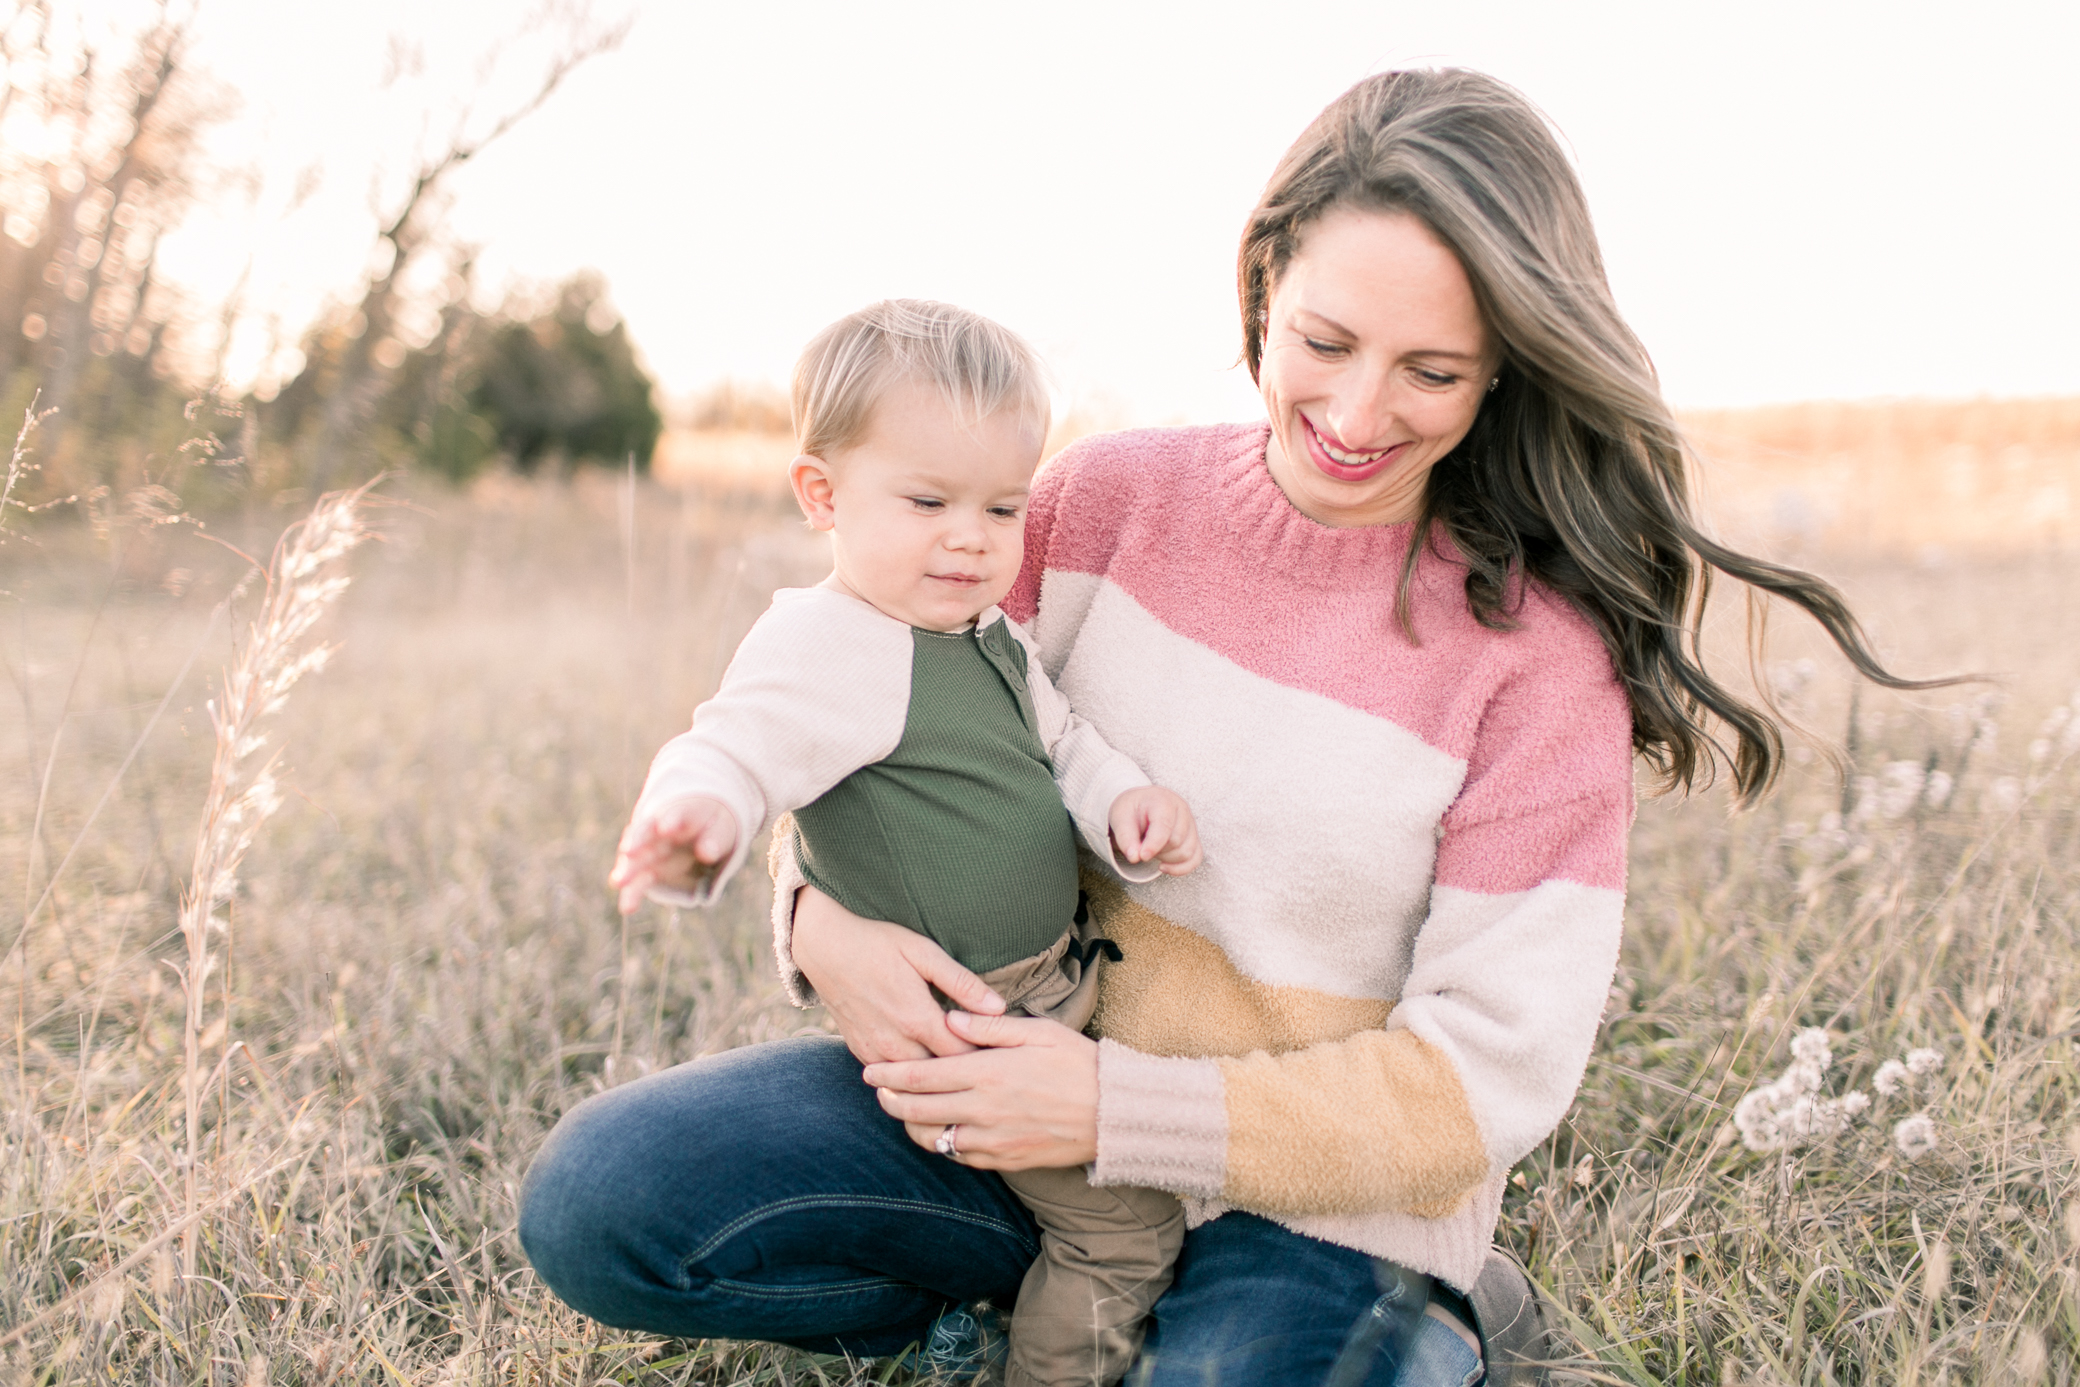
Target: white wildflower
2004, 796
1864, 803
1755, 1118
2040, 751
1789, 1111
1900, 787
1914, 1136
1940, 784
1924, 1061
1809, 1046
1890, 1078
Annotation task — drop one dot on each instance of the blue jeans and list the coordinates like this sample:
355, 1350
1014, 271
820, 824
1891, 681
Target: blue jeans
763, 1194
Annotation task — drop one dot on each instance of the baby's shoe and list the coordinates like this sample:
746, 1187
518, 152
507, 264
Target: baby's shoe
963, 1345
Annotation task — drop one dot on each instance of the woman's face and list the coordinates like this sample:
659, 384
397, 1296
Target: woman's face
1375, 361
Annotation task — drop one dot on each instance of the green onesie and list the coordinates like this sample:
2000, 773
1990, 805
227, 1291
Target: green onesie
960, 832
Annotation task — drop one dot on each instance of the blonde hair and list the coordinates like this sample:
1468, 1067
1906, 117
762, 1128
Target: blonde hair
1574, 473
980, 367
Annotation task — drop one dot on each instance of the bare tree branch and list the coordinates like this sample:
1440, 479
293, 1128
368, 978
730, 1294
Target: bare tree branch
405, 232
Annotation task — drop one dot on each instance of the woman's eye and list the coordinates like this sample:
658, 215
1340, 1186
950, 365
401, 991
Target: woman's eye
1321, 348
1436, 380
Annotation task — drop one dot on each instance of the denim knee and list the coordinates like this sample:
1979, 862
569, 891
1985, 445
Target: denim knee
574, 1204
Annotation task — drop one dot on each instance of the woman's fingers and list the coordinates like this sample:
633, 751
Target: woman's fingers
990, 1031
873, 977
884, 1047
926, 1074
926, 1109
938, 968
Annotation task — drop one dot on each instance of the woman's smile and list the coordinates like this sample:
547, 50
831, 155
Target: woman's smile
1349, 464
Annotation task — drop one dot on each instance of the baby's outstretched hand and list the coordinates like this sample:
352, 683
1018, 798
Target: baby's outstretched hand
674, 846
1152, 822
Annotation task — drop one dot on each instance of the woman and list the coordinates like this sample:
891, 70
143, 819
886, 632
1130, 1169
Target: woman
1398, 650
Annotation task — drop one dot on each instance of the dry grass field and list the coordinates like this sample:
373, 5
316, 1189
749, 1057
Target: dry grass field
420, 968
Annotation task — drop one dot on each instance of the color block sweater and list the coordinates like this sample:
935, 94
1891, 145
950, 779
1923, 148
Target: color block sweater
1379, 991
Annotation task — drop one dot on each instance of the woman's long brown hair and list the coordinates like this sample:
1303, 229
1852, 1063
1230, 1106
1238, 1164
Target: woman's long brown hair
1574, 473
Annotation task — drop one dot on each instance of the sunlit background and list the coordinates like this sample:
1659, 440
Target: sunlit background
1797, 200
273, 1133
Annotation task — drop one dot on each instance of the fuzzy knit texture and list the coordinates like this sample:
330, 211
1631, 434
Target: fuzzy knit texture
1380, 989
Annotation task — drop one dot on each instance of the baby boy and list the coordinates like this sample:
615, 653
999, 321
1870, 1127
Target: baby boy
935, 776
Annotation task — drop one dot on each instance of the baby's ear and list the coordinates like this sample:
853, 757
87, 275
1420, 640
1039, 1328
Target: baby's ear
814, 484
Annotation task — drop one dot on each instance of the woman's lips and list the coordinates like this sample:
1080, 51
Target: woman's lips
1343, 471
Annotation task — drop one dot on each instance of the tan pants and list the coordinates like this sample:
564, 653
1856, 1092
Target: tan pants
1105, 1254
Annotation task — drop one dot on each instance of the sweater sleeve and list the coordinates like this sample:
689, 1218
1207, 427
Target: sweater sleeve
819, 688
1482, 1053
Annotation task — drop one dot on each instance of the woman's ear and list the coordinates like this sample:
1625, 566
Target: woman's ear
814, 490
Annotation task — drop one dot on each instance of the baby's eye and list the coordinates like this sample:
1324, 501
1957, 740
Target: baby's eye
1004, 512
927, 503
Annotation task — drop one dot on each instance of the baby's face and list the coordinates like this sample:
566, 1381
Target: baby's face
927, 514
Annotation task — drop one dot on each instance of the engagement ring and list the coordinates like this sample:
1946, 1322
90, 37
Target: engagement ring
945, 1143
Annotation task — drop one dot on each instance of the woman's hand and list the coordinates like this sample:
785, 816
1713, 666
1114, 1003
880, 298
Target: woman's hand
876, 979
1028, 1099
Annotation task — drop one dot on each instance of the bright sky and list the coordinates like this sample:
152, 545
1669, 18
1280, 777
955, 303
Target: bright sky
1796, 200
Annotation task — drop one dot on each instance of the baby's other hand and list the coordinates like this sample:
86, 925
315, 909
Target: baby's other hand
674, 846
1152, 822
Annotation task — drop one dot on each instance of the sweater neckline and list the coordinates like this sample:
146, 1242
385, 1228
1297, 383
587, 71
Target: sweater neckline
1272, 532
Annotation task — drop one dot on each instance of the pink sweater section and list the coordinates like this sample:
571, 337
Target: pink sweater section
1311, 607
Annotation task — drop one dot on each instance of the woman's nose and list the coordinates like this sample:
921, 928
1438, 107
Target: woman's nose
1362, 415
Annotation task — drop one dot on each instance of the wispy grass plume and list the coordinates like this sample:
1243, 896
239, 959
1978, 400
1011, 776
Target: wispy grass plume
304, 577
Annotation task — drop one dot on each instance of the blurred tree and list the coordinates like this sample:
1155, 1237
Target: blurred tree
356, 363
566, 384
556, 383
101, 160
